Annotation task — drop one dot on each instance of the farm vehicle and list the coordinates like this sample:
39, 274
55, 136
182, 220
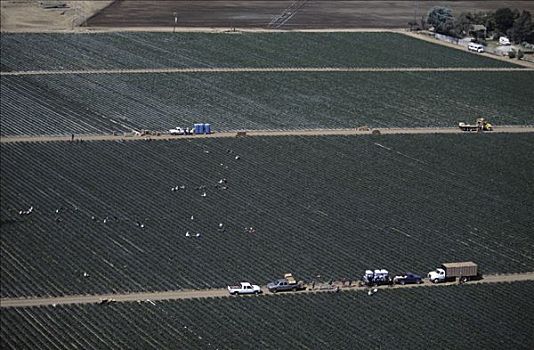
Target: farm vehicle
463, 271
382, 277
376, 278
288, 283
448, 272
178, 131
480, 125
244, 288
407, 278
199, 128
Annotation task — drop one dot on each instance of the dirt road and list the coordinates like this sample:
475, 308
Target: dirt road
425, 37
253, 133
261, 70
222, 292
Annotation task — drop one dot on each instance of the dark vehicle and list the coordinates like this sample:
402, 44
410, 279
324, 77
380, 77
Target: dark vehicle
285, 284
407, 278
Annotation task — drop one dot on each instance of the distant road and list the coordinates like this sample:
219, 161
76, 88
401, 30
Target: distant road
262, 70
253, 133
222, 292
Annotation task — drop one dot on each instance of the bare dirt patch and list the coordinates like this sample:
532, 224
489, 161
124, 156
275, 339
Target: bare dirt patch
292, 14
32, 15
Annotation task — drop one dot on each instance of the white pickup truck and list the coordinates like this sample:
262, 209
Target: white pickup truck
244, 288
177, 131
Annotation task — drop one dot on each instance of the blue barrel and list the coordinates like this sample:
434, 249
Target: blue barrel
199, 128
207, 128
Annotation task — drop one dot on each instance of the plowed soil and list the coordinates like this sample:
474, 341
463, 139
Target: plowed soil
292, 14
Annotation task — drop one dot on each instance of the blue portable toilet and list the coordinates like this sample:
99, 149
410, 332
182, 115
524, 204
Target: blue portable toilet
207, 128
199, 128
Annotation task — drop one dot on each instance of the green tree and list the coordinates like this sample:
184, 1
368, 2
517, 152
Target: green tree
522, 27
489, 22
441, 19
504, 19
462, 24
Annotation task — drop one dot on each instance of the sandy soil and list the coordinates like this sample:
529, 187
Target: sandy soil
222, 292
29, 15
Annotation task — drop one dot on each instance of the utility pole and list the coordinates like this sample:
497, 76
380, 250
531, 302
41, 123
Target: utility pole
416, 12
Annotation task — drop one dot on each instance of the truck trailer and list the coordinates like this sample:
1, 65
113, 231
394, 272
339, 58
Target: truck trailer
463, 271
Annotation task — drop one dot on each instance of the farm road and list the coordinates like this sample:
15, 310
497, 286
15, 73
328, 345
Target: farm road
222, 292
428, 38
261, 70
252, 133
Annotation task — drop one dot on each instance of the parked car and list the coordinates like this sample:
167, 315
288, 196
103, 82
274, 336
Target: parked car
407, 278
285, 284
244, 288
177, 131
475, 47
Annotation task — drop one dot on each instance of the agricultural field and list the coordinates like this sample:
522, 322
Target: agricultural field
494, 316
113, 216
34, 51
101, 103
306, 14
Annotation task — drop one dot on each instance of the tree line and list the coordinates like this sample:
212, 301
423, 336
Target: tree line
517, 26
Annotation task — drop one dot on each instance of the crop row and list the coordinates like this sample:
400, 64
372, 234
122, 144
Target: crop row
456, 317
88, 104
31, 51
112, 216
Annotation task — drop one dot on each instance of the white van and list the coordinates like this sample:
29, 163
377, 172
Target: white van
475, 47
